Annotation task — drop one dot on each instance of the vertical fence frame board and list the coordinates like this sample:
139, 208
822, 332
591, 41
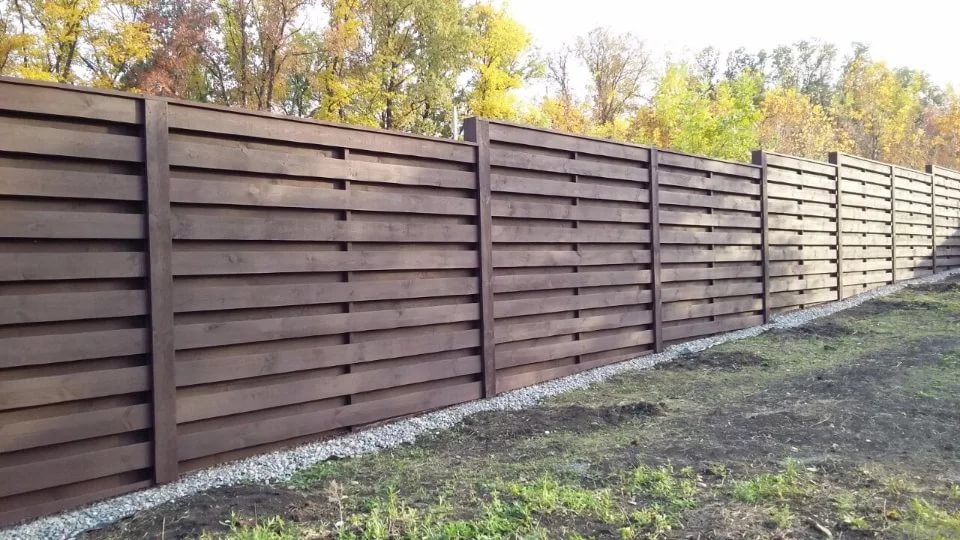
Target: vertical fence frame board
836, 159
654, 187
160, 278
478, 131
893, 224
932, 171
760, 158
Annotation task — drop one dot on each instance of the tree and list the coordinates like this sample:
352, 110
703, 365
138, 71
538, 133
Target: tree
82, 40
618, 66
880, 112
740, 61
807, 66
794, 124
684, 116
176, 67
13, 43
501, 62
943, 131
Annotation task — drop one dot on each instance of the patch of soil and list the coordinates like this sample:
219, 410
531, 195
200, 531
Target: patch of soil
207, 511
825, 328
727, 361
498, 425
856, 413
951, 284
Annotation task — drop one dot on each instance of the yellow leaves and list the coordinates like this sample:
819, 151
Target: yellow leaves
793, 124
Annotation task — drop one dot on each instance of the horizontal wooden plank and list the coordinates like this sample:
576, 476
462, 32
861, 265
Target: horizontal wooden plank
526, 234
196, 263
706, 164
63, 183
800, 164
255, 160
726, 202
805, 224
34, 308
694, 292
739, 186
75, 468
500, 157
94, 225
190, 336
69, 102
278, 361
512, 331
247, 434
189, 297
73, 386
48, 349
551, 304
682, 311
85, 424
528, 210
188, 226
504, 183
696, 274
47, 266
795, 208
780, 191
529, 355
668, 217
792, 283
535, 137
683, 331
245, 191
211, 404
512, 259
805, 268
703, 254
784, 238
50, 141
726, 238
235, 122
530, 282
806, 253
806, 298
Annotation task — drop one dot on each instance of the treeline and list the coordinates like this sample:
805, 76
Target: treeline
419, 65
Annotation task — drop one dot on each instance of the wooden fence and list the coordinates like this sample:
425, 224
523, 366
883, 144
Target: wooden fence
182, 284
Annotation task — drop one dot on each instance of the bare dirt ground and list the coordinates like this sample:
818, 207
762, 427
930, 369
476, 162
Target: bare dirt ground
846, 428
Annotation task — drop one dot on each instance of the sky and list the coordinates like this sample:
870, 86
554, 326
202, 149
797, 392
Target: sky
921, 34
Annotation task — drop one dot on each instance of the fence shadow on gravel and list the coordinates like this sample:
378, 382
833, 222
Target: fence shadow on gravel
183, 284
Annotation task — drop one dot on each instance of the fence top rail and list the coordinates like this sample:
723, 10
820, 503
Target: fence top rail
562, 133
937, 170
223, 108
748, 166
798, 158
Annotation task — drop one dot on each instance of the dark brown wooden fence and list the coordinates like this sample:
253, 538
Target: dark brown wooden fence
182, 284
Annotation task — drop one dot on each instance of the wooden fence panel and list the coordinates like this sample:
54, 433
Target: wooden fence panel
947, 215
183, 284
867, 233
802, 231
571, 253
913, 215
710, 234
324, 278
75, 378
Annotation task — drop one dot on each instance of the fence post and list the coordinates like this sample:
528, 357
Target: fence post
932, 171
760, 158
653, 187
478, 131
893, 223
160, 279
836, 160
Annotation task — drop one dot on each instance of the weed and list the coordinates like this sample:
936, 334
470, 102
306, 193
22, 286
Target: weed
675, 490
274, 528
782, 517
927, 521
766, 486
547, 496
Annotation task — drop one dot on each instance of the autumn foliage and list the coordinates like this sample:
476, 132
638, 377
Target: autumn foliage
419, 65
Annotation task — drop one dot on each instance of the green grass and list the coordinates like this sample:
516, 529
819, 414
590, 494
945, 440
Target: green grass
791, 482
570, 482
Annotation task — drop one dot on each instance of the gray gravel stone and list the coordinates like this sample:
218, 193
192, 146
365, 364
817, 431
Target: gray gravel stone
278, 467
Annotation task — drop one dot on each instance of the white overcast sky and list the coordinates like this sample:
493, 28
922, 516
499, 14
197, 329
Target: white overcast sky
922, 34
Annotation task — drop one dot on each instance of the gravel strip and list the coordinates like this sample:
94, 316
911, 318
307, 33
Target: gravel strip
278, 467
